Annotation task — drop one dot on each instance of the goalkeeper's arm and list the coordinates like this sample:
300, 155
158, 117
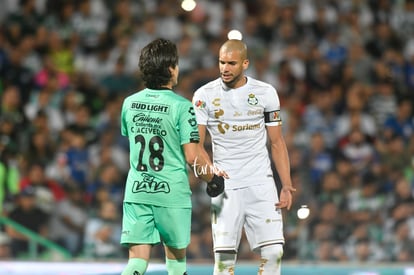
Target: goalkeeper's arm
202, 167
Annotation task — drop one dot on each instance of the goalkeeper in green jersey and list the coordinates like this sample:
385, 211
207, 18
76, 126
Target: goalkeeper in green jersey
162, 130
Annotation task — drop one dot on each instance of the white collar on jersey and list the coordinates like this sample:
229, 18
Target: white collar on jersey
227, 88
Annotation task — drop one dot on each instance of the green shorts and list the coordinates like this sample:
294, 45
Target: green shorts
149, 224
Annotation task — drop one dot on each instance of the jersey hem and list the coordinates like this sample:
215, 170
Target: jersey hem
159, 205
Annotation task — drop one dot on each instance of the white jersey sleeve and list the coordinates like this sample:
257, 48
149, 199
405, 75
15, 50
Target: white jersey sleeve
272, 109
200, 106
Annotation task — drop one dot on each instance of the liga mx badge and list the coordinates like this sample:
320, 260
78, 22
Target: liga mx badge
252, 100
200, 104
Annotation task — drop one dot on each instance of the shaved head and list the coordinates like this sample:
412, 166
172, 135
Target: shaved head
234, 45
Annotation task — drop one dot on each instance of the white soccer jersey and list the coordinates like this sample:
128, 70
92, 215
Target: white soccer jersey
236, 119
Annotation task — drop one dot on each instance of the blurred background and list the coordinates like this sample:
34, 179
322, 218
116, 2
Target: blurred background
344, 72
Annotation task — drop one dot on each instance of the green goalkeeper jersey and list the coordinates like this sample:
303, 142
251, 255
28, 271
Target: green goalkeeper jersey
157, 124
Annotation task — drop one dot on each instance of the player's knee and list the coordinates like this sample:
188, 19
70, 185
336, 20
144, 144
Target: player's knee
272, 252
224, 263
271, 258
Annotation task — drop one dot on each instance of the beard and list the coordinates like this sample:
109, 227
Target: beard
231, 81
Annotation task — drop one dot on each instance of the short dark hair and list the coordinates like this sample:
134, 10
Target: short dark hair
155, 61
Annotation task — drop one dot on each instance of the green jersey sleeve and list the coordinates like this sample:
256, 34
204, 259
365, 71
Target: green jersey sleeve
188, 124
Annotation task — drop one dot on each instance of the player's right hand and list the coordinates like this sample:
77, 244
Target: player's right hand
216, 186
285, 199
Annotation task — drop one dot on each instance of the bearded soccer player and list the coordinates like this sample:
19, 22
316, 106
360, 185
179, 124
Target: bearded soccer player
242, 115
162, 130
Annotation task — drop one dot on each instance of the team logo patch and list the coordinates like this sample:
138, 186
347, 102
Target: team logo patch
252, 99
200, 104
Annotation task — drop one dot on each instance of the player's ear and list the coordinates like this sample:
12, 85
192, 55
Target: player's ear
245, 64
174, 71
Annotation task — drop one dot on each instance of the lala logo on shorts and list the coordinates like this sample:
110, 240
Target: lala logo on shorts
252, 100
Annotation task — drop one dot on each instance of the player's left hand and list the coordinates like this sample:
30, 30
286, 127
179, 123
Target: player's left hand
216, 186
285, 199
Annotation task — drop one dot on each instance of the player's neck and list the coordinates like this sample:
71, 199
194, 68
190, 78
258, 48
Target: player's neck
166, 88
241, 82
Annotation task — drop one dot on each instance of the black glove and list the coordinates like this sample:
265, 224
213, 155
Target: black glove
216, 186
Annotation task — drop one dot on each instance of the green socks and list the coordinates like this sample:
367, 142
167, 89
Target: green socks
135, 266
176, 267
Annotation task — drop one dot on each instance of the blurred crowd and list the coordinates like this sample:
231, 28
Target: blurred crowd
344, 71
